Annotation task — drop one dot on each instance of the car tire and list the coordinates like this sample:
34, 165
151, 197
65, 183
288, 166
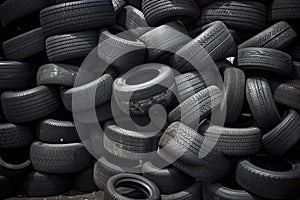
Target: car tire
14, 136
84, 182
289, 94
191, 192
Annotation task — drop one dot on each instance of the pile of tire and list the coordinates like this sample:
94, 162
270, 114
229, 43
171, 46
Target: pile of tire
172, 128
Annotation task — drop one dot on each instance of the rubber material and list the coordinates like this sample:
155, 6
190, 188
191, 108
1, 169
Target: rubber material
284, 10
7, 187
83, 181
192, 192
289, 94
13, 135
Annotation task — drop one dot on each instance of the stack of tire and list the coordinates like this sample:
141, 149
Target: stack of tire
251, 154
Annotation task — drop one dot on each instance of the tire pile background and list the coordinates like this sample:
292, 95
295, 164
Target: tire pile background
257, 151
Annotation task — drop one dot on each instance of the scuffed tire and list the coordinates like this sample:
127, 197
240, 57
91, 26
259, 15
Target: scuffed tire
289, 94
30, 104
59, 158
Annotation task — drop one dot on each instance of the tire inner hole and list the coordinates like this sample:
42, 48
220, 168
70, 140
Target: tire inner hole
132, 190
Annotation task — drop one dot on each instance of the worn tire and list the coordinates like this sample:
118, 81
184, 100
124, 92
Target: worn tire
57, 74
158, 12
76, 16
276, 36
284, 136
265, 59
59, 158
261, 103
289, 94
24, 45
30, 104
123, 54
191, 192
284, 10
269, 177
13, 135
16, 75
57, 132
237, 15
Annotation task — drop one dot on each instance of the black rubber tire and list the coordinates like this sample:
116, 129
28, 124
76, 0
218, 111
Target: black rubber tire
284, 136
98, 91
233, 141
181, 142
296, 70
289, 94
167, 178
189, 84
107, 167
197, 107
10, 169
71, 46
163, 40
14, 9
16, 75
26, 45
130, 181
133, 20
118, 5
57, 132
76, 16
189, 193
59, 158
36, 184
284, 10
233, 100
150, 82
295, 52
213, 43
221, 192
57, 74
261, 103
266, 180
136, 3
158, 12
13, 135
237, 15
276, 36
265, 59
122, 53
84, 182
8, 187
30, 104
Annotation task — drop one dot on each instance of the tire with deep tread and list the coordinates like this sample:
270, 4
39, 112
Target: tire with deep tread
13, 135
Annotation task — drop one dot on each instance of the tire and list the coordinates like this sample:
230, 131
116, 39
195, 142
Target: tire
153, 83
15, 76
295, 52
59, 158
131, 181
76, 16
8, 187
106, 167
123, 54
269, 177
296, 70
261, 103
197, 107
30, 104
164, 40
284, 136
192, 192
242, 16
289, 94
118, 5
276, 36
199, 159
13, 136
9, 169
221, 192
57, 74
166, 178
71, 46
284, 10
213, 43
233, 100
133, 20
81, 98
84, 182
237, 142
189, 84
36, 184
265, 59
57, 132
14, 9
136, 3
24, 46
158, 12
